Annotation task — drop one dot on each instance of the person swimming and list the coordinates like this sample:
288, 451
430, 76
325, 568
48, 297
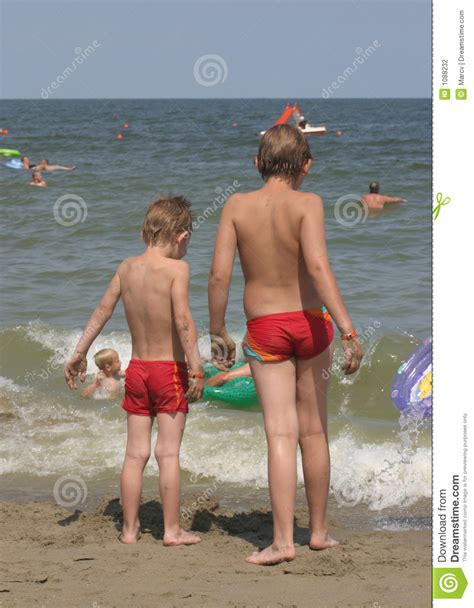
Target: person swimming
223, 377
37, 180
44, 165
25, 161
374, 200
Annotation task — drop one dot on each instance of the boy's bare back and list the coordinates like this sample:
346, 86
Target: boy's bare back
269, 227
148, 284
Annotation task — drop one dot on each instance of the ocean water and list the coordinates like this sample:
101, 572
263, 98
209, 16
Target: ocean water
61, 244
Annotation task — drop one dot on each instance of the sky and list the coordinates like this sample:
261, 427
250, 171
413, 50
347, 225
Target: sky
215, 49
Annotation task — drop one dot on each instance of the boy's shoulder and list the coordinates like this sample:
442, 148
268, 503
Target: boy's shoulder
239, 204
310, 198
178, 266
304, 197
173, 265
236, 201
127, 263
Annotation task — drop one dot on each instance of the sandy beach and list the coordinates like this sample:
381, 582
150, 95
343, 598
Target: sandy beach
52, 557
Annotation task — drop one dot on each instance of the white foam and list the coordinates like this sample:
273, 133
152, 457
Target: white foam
8, 384
379, 475
50, 436
63, 342
51, 432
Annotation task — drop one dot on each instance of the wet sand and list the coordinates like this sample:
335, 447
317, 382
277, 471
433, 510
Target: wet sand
52, 557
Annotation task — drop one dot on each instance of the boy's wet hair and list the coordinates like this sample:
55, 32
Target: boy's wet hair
374, 187
166, 218
105, 357
283, 152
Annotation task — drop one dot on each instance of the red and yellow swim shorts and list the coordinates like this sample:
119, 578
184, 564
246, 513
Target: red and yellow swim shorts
153, 387
303, 334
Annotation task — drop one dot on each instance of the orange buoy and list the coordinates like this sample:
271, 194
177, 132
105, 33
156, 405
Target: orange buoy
338, 133
119, 136
234, 124
125, 126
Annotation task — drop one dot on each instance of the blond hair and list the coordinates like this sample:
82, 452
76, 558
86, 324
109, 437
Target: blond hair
105, 357
165, 218
283, 152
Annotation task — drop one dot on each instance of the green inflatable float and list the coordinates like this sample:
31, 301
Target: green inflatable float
9, 152
240, 391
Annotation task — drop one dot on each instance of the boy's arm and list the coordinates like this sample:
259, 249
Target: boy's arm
313, 245
220, 275
223, 377
77, 364
241, 372
185, 326
89, 390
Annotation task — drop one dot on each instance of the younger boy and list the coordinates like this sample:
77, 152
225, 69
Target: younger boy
154, 289
108, 378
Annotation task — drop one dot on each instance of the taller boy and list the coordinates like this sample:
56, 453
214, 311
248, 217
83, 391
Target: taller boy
290, 296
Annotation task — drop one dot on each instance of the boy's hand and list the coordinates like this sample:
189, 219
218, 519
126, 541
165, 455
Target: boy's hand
352, 356
98, 379
76, 366
222, 350
195, 390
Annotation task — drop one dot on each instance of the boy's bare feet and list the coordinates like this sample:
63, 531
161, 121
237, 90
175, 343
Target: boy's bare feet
130, 537
181, 538
322, 541
272, 555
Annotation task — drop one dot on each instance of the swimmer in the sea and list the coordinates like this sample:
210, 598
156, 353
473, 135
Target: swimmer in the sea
37, 180
374, 200
45, 166
25, 161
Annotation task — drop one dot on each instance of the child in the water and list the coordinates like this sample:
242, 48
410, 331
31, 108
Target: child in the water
109, 375
37, 180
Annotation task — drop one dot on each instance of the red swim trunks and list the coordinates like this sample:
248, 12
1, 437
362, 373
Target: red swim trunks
302, 334
153, 387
